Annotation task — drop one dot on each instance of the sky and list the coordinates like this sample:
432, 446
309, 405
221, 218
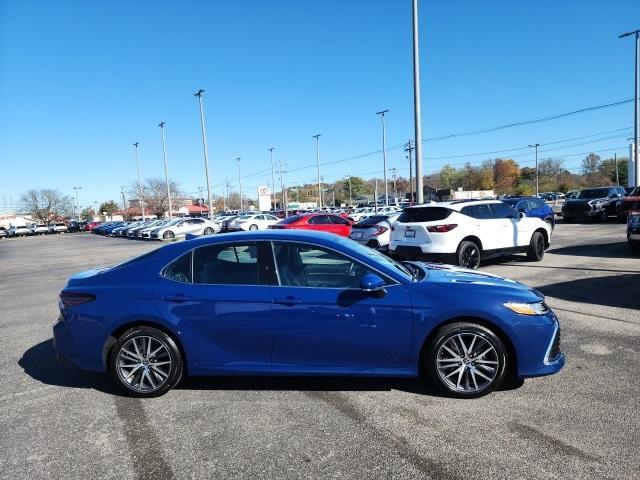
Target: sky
81, 81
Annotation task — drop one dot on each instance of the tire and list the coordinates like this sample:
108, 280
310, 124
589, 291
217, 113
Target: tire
604, 216
168, 235
208, 231
485, 354
153, 381
535, 252
468, 255
253, 227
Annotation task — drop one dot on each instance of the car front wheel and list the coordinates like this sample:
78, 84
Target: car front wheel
466, 360
604, 216
208, 231
145, 362
253, 227
468, 255
535, 253
168, 235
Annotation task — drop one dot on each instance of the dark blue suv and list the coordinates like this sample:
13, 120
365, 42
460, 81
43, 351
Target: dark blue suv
532, 207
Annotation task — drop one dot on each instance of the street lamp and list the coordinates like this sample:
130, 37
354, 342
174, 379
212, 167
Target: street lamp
204, 149
536, 145
77, 204
636, 112
240, 182
417, 120
317, 137
166, 172
139, 181
384, 157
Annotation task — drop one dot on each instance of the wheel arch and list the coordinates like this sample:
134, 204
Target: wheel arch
474, 239
511, 351
119, 331
545, 235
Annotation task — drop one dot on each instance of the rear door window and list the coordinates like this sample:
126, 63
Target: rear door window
236, 264
500, 210
424, 214
481, 211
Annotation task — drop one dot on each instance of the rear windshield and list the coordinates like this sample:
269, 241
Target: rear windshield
373, 220
291, 219
424, 214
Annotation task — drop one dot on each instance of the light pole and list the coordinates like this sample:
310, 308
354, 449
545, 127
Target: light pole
536, 145
384, 157
284, 204
416, 104
409, 148
139, 181
395, 184
350, 193
273, 181
77, 204
124, 200
317, 137
225, 198
636, 112
166, 172
204, 150
240, 182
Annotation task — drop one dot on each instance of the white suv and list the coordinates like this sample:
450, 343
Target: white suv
465, 232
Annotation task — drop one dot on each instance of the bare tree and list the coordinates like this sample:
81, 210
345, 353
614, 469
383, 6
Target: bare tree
47, 204
154, 195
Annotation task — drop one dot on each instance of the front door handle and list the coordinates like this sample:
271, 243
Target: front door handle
179, 298
288, 301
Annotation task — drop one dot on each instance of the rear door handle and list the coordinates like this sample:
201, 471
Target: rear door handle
179, 298
288, 301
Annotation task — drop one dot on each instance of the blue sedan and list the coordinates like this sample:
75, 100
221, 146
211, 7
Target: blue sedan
301, 303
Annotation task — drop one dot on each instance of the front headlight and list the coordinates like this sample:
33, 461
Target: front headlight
536, 308
594, 203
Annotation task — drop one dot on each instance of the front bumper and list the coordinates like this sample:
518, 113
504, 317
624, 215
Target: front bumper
537, 344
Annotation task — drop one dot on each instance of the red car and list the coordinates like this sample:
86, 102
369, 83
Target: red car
91, 225
631, 202
324, 222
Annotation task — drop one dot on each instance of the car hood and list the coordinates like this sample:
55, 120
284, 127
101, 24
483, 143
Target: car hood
457, 277
580, 201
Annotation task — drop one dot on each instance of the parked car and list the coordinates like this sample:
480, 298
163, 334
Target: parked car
466, 232
3, 232
91, 225
339, 309
38, 229
316, 221
18, 231
633, 230
134, 232
361, 213
108, 228
145, 232
628, 203
572, 194
179, 227
532, 207
75, 226
57, 227
598, 203
252, 222
122, 230
374, 231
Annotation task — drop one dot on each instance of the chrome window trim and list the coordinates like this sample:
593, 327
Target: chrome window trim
553, 339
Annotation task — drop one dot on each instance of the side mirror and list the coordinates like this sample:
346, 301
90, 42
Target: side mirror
371, 283
522, 215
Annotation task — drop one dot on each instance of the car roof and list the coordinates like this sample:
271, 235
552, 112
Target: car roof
455, 204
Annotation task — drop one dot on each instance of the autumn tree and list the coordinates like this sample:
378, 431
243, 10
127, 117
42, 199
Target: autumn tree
505, 175
108, 207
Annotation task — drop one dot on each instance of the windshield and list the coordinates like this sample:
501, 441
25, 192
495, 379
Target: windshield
377, 257
373, 220
594, 193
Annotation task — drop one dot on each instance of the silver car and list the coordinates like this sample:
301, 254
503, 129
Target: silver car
181, 226
374, 231
38, 229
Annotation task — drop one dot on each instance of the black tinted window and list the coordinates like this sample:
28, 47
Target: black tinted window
500, 210
318, 219
179, 270
481, 211
424, 214
373, 220
235, 264
291, 219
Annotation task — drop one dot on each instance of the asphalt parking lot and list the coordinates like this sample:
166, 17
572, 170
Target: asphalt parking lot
61, 423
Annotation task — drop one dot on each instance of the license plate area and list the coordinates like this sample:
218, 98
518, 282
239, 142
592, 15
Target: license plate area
410, 233
357, 234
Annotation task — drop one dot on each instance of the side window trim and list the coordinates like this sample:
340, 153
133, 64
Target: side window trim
234, 245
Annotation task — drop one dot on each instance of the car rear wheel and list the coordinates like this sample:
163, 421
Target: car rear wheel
468, 255
466, 360
208, 231
145, 362
535, 252
253, 227
168, 235
604, 216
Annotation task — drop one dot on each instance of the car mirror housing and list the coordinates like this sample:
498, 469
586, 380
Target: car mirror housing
521, 214
371, 283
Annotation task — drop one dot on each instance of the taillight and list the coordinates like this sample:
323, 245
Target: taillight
71, 299
442, 228
380, 230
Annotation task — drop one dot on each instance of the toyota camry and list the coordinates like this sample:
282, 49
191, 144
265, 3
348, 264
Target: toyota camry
281, 302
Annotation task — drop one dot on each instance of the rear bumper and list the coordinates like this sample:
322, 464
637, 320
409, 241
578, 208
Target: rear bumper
70, 350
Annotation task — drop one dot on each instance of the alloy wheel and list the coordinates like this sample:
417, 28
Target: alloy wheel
540, 246
467, 362
470, 257
144, 364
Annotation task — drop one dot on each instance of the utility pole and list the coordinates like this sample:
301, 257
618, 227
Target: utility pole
166, 172
273, 182
395, 185
124, 200
409, 148
77, 204
321, 183
317, 137
350, 193
416, 104
240, 182
615, 159
536, 145
384, 157
636, 112
139, 181
204, 150
225, 198
284, 204
375, 193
